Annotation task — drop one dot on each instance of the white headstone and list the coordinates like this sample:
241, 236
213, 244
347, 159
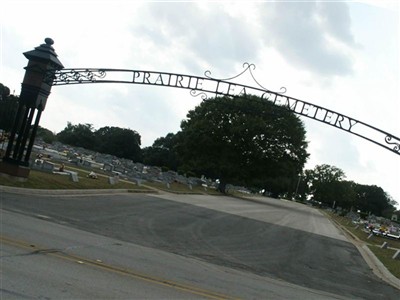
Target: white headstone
113, 180
47, 166
73, 176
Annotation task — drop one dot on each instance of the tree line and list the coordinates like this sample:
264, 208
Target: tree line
242, 140
120, 142
326, 185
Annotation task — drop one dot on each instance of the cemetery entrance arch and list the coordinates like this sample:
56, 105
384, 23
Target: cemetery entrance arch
206, 85
44, 70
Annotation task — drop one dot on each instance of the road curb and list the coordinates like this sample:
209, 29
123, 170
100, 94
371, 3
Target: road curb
26, 191
372, 261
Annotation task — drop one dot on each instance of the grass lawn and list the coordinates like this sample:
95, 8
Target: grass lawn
43, 180
385, 256
373, 243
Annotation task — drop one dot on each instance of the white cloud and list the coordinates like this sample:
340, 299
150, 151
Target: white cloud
303, 32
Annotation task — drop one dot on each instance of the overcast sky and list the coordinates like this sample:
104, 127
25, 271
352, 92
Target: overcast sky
341, 55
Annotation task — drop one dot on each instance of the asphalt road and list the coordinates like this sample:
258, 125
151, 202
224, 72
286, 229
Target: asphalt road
50, 274
262, 248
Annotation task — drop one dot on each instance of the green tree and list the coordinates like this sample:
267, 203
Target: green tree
80, 135
326, 185
243, 140
373, 199
47, 136
345, 194
121, 142
8, 108
4, 91
162, 153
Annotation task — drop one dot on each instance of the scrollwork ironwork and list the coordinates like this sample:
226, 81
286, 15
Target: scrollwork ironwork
396, 147
49, 76
196, 93
246, 68
80, 76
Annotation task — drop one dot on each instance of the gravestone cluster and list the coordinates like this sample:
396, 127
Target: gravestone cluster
47, 156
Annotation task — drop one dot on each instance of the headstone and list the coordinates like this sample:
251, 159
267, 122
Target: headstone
37, 164
87, 163
113, 180
108, 167
73, 176
396, 255
47, 166
119, 170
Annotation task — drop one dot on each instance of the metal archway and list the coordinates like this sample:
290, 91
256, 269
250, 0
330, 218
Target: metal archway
44, 70
203, 86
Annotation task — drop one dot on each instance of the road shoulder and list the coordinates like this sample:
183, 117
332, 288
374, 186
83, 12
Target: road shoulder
373, 262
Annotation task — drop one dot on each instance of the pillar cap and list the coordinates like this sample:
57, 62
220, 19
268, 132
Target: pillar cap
45, 53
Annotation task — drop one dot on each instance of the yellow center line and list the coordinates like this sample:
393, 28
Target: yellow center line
122, 271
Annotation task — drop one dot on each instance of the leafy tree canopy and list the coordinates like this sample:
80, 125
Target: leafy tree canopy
8, 108
325, 184
121, 142
243, 140
47, 136
4, 91
162, 153
80, 135
373, 199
